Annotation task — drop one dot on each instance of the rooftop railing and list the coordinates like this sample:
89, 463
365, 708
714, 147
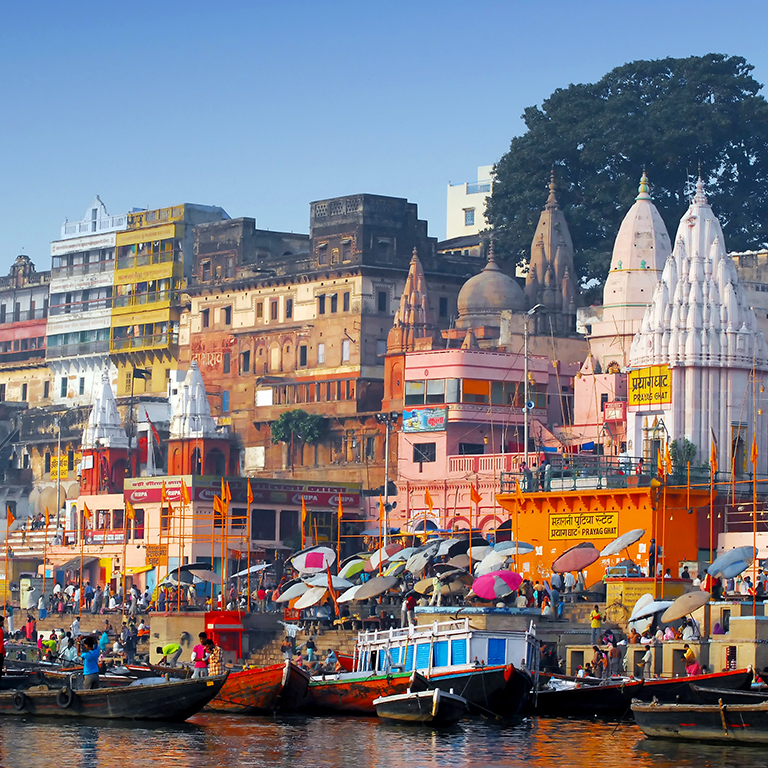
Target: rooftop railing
92, 226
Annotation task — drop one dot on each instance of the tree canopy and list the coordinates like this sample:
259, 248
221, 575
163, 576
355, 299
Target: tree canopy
297, 425
673, 117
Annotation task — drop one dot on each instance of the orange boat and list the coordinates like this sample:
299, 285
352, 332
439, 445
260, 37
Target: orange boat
279, 687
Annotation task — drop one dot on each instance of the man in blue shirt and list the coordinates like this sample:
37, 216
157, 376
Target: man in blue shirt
90, 657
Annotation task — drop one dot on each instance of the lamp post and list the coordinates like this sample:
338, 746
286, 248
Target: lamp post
388, 419
528, 315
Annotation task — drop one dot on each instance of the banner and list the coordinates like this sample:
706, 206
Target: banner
650, 386
156, 555
589, 525
425, 419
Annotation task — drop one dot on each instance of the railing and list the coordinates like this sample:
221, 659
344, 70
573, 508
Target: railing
145, 342
473, 187
23, 315
73, 350
21, 355
486, 463
145, 259
137, 299
89, 226
73, 270
79, 306
146, 218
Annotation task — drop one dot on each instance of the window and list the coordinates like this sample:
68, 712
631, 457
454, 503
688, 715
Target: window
603, 401
24, 393
370, 448
475, 391
469, 217
334, 303
423, 453
47, 463
288, 309
384, 248
435, 391
2, 392
302, 355
63, 387
245, 361
414, 393
227, 315
381, 351
227, 361
206, 270
206, 315
81, 386
346, 250
259, 310
322, 254
321, 354
225, 401
443, 306
273, 306
46, 391
471, 449
381, 299
321, 305
345, 351
345, 306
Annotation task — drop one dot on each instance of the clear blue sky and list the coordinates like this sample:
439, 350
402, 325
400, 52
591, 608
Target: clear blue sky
263, 107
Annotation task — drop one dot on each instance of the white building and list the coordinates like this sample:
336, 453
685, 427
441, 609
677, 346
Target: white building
699, 361
466, 204
79, 317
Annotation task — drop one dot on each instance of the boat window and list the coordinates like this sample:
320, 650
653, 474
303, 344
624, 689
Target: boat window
395, 654
409, 659
458, 651
422, 656
497, 650
441, 653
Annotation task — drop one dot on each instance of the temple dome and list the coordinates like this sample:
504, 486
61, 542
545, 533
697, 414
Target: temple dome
486, 295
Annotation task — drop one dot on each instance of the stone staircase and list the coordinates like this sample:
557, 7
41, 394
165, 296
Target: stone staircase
341, 641
26, 543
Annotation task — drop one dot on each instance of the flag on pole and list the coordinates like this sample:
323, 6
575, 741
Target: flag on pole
341, 508
668, 460
185, 498
218, 506
660, 463
47, 518
9, 518
163, 493
713, 458
250, 493
381, 510
519, 491
228, 497
86, 511
474, 495
130, 512
170, 509
303, 521
753, 455
428, 499
223, 490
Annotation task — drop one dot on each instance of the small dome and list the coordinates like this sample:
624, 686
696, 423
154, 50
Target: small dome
490, 293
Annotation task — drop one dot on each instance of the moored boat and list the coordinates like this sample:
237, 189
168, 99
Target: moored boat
434, 707
166, 701
608, 700
678, 689
702, 695
746, 723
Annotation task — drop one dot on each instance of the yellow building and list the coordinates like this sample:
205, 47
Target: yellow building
154, 260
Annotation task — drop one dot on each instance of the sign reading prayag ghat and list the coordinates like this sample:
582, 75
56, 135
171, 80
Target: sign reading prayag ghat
650, 386
589, 525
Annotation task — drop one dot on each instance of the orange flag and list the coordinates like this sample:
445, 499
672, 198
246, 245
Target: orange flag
250, 493
130, 512
217, 505
713, 459
428, 499
341, 509
9, 518
223, 490
47, 518
228, 497
185, 498
86, 511
753, 456
303, 521
475, 496
660, 464
519, 491
668, 460
170, 509
163, 493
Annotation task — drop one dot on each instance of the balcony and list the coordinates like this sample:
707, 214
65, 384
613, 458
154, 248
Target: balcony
76, 270
76, 350
149, 341
76, 307
140, 299
90, 226
476, 187
140, 219
23, 316
22, 356
145, 259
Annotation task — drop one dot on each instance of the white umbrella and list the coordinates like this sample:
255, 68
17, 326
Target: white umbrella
350, 594
445, 545
321, 580
311, 597
313, 560
352, 568
382, 556
648, 610
204, 575
480, 553
404, 554
514, 547
252, 569
622, 542
493, 561
297, 590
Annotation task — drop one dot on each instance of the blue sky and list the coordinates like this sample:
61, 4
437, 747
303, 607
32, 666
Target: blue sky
263, 107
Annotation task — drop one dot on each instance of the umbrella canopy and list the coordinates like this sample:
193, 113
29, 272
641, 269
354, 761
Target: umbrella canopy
313, 560
460, 561
514, 547
404, 554
733, 562
491, 562
479, 553
656, 606
685, 604
350, 594
622, 542
496, 584
321, 580
382, 556
172, 581
294, 591
461, 547
418, 562
252, 569
311, 597
377, 531
376, 587
394, 568
205, 575
445, 545
576, 558
352, 568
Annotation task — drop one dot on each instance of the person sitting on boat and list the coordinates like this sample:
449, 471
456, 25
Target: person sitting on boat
200, 659
691, 664
170, 653
90, 657
215, 660
546, 607
521, 601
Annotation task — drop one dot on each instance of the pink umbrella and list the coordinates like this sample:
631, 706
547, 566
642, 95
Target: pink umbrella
576, 558
382, 556
496, 584
313, 560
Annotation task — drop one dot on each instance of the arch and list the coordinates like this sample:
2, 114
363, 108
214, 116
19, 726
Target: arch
461, 521
215, 463
117, 475
196, 465
490, 522
417, 524
504, 531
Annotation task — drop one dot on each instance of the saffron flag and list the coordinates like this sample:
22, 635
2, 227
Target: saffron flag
228, 497
250, 493
668, 460
660, 464
303, 513
428, 499
474, 495
713, 459
9, 518
163, 493
519, 491
341, 509
170, 509
381, 510
155, 433
130, 512
217, 505
86, 511
753, 456
47, 518
185, 498
223, 490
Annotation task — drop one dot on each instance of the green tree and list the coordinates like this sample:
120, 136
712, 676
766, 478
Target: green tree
682, 452
671, 117
297, 428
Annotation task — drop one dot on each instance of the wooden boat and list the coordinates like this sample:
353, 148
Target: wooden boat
747, 723
157, 670
701, 695
353, 691
169, 702
678, 689
280, 687
608, 700
433, 707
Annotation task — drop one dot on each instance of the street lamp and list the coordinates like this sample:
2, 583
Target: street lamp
388, 419
528, 404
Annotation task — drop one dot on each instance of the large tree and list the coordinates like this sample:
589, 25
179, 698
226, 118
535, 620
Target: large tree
673, 117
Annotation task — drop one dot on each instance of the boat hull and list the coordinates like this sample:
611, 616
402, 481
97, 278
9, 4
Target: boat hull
167, 702
678, 689
433, 707
747, 723
612, 700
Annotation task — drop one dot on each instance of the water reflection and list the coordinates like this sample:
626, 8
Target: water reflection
214, 740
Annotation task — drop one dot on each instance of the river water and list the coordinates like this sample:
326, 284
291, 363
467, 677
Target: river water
336, 742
